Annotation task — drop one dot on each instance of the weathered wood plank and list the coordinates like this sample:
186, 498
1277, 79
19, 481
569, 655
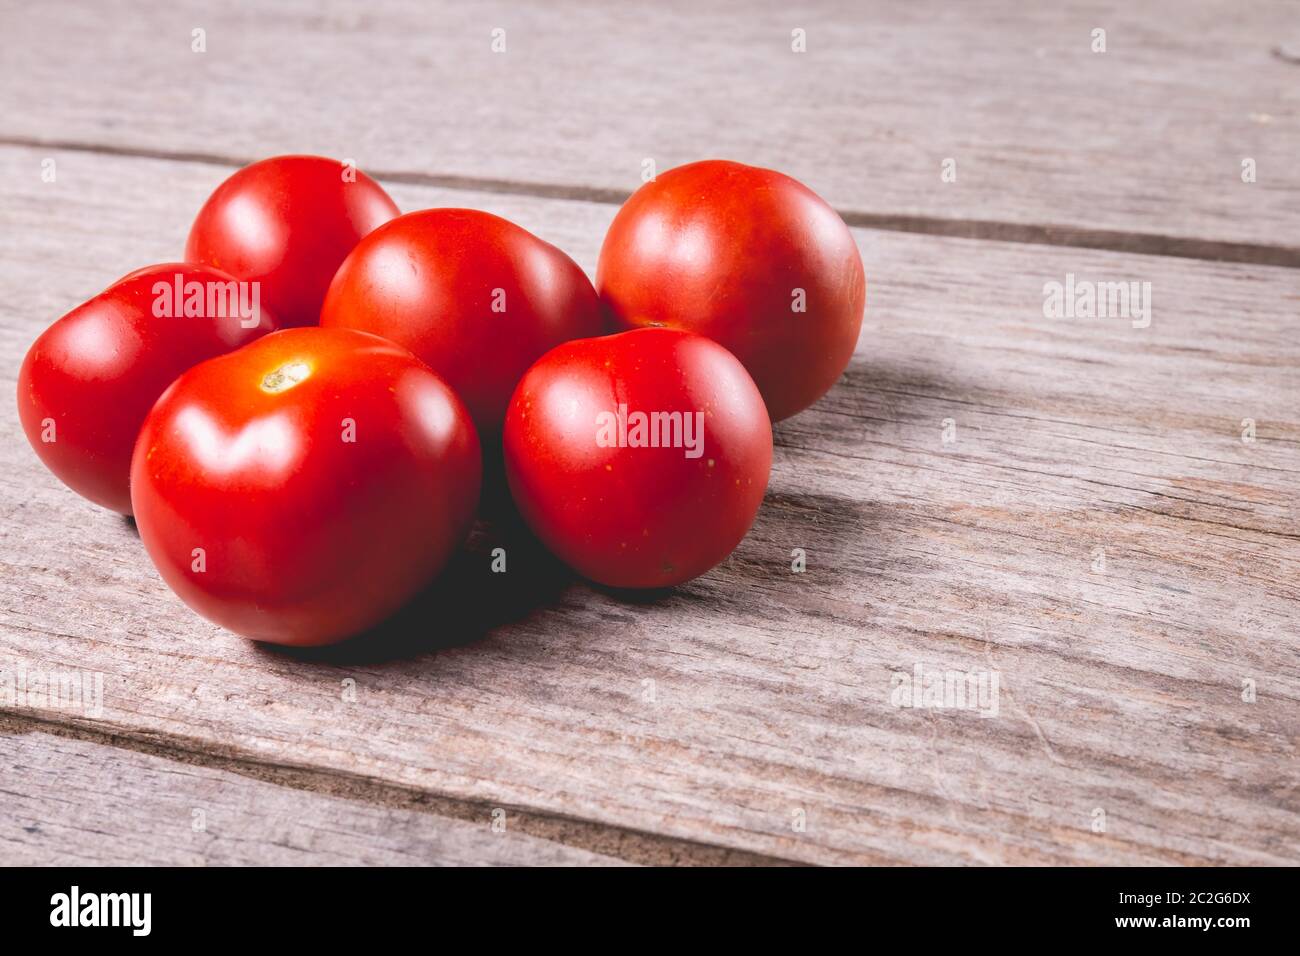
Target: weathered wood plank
1140, 147
70, 801
755, 699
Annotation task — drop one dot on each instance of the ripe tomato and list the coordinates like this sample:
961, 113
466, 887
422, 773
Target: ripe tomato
752, 259
475, 296
287, 222
301, 489
90, 378
640, 459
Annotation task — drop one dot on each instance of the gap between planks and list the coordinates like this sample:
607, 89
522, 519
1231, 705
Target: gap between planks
628, 844
1077, 237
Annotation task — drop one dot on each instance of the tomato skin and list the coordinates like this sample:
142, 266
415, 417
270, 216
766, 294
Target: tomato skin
287, 222
97, 371
719, 248
429, 281
307, 538
637, 517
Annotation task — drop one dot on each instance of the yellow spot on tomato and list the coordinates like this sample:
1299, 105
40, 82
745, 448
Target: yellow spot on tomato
285, 377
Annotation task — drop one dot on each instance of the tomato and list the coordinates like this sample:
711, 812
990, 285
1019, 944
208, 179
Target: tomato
640, 459
752, 259
300, 490
90, 378
287, 222
475, 296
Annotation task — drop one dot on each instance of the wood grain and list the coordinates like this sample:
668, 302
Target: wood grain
1139, 148
751, 709
72, 802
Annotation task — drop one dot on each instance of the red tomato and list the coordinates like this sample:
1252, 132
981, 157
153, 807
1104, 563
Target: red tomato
300, 490
89, 380
640, 459
748, 257
477, 297
287, 222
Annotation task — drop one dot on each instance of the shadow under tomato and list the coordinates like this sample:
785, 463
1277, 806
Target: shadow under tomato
464, 603
495, 503
640, 596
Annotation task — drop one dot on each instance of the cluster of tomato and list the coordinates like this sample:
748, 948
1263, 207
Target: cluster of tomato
299, 415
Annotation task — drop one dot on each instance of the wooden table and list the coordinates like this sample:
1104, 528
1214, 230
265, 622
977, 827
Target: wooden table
1101, 513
